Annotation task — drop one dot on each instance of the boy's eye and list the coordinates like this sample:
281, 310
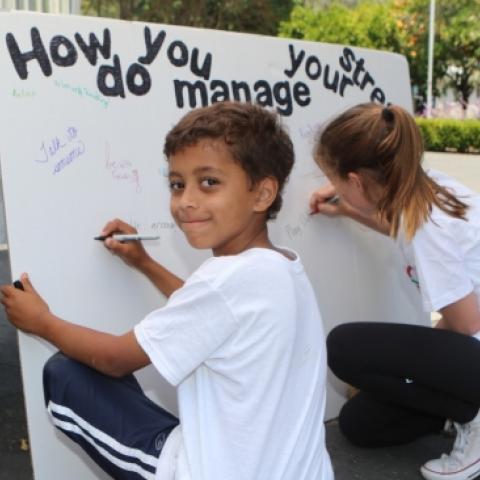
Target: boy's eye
209, 182
175, 185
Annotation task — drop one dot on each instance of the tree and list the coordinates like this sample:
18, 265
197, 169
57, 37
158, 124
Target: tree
254, 16
402, 26
459, 45
370, 24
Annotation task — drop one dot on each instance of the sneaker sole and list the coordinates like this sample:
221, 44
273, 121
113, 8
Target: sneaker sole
468, 473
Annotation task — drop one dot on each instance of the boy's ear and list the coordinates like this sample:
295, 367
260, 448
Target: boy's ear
266, 192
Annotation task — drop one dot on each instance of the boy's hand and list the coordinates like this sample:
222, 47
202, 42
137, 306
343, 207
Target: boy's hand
25, 308
321, 202
132, 253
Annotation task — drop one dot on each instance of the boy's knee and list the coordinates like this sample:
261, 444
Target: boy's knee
56, 373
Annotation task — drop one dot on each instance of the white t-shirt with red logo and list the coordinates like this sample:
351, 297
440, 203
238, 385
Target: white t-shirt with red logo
243, 342
443, 258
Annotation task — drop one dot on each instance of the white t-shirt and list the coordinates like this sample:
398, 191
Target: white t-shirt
243, 341
443, 258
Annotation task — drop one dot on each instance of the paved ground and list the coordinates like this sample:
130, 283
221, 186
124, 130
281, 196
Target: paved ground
350, 463
465, 168
14, 462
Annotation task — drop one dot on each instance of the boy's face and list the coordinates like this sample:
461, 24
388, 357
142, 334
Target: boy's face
212, 198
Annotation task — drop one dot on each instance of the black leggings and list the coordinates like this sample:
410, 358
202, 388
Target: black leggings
411, 379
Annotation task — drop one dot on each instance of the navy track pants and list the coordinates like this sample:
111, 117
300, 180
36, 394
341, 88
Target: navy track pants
120, 428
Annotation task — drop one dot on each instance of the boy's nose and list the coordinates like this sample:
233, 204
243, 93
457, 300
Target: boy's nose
189, 198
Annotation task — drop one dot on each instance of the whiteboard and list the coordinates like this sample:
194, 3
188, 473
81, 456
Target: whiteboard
85, 105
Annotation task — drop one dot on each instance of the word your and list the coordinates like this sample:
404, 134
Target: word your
111, 81
122, 170
21, 93
82, 92
354, 74
68, 146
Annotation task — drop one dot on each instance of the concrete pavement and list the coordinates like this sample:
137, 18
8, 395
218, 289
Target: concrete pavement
14, 462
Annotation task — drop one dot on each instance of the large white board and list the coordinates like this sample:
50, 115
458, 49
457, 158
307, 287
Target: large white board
84, 108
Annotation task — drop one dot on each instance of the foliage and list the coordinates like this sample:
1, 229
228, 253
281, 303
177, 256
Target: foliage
457, 43
402, 26
440, 135
370, 24
255, 16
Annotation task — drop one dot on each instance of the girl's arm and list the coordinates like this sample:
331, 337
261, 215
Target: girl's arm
462, 316
133, 254
110, 354
320, 202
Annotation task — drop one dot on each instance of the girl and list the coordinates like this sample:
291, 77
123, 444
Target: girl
411, 378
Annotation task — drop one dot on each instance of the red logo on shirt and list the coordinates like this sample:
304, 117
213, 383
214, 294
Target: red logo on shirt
412, 275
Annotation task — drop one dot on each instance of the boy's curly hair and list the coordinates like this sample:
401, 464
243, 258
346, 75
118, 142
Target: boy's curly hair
254, 136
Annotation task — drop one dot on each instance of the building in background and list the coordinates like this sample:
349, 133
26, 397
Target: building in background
49, 6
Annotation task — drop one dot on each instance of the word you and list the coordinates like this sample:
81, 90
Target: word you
122, 170
111, 80
62, 149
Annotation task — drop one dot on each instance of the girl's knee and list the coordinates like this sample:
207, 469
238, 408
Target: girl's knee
353, 429
340, 349
357, 427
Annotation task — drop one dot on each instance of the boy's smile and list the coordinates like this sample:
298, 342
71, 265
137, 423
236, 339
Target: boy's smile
213, 200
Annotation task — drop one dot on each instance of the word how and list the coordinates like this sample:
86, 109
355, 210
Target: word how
111, 81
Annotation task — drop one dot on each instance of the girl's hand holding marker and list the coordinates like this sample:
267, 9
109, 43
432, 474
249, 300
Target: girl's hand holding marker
326, 201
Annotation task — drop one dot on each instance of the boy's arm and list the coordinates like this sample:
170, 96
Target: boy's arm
110, 354
133, 254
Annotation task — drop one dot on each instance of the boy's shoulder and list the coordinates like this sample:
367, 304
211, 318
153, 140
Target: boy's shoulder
252, 265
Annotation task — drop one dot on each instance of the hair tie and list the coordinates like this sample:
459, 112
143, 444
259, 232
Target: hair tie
387, 114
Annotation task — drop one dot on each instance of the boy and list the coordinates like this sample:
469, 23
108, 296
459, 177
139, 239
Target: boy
241, 339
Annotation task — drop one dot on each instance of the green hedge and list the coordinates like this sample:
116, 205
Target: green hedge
447, 135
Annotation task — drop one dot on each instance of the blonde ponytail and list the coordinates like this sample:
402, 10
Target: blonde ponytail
386, 143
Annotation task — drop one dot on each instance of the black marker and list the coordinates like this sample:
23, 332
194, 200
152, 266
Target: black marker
128, 237
333, 200
18, 284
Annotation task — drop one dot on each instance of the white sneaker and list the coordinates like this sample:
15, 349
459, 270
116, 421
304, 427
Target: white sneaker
463, 463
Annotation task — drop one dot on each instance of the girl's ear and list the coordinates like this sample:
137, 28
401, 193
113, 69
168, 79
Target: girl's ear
266, 192
356, 181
